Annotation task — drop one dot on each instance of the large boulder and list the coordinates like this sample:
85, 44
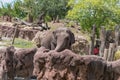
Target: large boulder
67, 65
23, 62
16, 62
81, 45
6, 63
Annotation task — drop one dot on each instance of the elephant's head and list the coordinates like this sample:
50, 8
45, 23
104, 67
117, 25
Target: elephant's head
63, 38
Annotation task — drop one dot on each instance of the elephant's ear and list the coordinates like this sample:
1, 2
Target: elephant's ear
54, 35
54, 40
72, 38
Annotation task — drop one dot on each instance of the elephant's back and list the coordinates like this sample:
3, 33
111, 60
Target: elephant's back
42, 37
46, 40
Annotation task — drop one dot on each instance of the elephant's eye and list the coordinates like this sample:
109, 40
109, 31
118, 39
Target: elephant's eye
67, 38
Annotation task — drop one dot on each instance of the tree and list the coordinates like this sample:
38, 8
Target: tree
6, 10
12, 10
53, 8
32, 9
28, 8
18, 12
98, 12
0, 11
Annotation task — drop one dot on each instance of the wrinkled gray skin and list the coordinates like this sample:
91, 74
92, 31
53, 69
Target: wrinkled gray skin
58, 40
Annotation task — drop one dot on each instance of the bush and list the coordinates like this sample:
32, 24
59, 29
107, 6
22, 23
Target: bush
70, 24
117, 55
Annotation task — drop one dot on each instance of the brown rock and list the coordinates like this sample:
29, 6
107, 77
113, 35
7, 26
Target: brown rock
23, 62
80, 46
67, 65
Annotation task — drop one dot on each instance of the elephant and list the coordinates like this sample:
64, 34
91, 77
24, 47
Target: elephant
58, 40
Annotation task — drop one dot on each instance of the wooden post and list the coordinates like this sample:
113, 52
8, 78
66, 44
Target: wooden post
92, 40
16, 27
102, 39
116, 37
118, 48
111, 52
105, 56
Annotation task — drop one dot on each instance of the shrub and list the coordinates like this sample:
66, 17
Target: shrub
117, 55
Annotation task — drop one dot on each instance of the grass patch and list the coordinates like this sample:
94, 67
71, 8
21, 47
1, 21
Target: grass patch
21, 43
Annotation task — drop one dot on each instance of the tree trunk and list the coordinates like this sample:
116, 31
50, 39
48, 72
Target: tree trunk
105, 56
116, 37
16, 28
102, 39
41, 18
30, 18
118, 48
92, 40
111, 52
57, 19
53, 19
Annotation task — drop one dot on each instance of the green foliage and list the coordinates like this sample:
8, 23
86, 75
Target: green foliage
0, 11
117, 55
18, 10
53, 8
47, 18
32, 9
98, 12
7, 10
70, 23
12, 11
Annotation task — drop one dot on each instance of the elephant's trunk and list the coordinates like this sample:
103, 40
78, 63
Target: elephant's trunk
61, 43
58, 48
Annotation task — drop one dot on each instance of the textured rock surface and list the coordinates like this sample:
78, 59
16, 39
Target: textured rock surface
23, 62
66, 65
81, 45
6, 62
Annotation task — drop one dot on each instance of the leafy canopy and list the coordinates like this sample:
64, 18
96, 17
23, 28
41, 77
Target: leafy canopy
98, 12
32, 9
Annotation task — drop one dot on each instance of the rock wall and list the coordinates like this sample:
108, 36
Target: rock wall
27, 34
67, 65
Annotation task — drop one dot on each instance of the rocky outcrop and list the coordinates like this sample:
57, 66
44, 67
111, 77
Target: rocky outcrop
6, 62
81, 45
27, 34
16, 62
23, 62
67, 65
